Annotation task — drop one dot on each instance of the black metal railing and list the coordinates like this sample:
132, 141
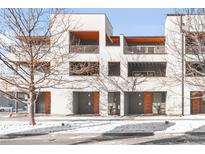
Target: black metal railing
84, 49
144, 50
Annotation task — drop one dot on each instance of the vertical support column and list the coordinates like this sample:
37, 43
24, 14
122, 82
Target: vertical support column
123, 43
103, 103
187, 101
122, 104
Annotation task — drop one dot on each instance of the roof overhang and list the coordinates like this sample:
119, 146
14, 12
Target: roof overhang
86, 35
145, 39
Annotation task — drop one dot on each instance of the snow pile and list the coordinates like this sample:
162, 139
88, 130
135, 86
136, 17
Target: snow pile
102, 126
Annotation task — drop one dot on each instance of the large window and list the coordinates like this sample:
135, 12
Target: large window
40, 68
195, 43
114, 68
8, 103
195, 69
84, 68
146, 69
114, 103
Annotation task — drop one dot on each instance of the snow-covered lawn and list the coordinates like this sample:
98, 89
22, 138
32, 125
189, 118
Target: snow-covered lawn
102, 126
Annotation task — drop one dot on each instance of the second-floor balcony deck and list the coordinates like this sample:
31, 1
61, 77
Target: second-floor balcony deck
84, 49
144, 50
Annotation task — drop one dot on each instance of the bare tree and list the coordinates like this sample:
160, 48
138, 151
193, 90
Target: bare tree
190, 27
26, 41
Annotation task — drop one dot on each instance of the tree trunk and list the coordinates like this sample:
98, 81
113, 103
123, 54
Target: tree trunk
31, 109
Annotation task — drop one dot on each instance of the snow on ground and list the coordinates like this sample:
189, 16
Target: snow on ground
101, 126
130, 117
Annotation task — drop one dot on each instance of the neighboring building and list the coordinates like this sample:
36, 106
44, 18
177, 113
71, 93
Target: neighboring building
123, 75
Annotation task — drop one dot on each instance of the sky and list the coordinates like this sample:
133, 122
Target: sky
133, 22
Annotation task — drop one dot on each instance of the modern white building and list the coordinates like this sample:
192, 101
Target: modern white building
123, 75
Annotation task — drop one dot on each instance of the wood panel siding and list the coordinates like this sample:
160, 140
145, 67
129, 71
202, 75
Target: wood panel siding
196, 102
96, 102
148, 101
47, 96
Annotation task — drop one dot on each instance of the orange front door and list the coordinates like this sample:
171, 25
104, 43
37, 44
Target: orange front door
47, 96
196, 102
148, 101
96, 102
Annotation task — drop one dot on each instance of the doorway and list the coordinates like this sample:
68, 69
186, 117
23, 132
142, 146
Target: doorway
197, 102
148, 102
136, 105
145, 102
86, 102
43, 103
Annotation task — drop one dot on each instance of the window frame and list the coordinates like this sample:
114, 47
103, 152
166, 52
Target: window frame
118, 62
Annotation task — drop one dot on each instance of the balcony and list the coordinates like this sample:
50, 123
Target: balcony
84, 49
144, 50
84, 42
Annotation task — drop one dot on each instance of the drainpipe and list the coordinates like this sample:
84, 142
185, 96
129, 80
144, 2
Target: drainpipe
182, 47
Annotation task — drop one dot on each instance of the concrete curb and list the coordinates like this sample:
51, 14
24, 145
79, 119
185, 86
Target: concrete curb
137, 134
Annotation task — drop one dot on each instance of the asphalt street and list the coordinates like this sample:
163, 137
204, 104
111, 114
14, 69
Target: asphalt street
128, 139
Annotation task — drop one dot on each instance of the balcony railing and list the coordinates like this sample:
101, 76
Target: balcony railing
144, 50
147, 73
84, 49
194, 49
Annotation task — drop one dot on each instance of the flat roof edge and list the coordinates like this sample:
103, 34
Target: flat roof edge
176, 14
90, 14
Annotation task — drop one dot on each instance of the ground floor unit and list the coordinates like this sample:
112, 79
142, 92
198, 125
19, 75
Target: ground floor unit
127, 103
42, 104
135, 103
109, 103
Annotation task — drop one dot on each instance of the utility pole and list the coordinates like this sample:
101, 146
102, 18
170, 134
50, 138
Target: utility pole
16, 102
182, 52
16, 96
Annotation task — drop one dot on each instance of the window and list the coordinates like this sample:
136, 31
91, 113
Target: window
146, 69
40, 68
114, 68
195, 42
114, 103
195, 69
84, 68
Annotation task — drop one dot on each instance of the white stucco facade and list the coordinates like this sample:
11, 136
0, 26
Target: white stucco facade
62, 99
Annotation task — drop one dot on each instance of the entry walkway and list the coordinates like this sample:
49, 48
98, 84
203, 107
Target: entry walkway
44, 117
127, 117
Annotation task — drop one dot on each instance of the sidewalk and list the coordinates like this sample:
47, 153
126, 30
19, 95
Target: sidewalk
123, 118
22, 116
